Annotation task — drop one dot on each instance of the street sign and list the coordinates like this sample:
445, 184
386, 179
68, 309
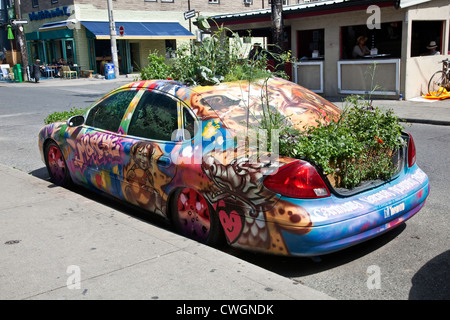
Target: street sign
19, 22
189, 14
121, 31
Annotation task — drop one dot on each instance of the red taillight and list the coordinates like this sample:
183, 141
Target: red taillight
297, 180
411, 151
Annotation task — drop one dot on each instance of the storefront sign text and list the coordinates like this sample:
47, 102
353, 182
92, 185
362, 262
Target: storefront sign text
47, 14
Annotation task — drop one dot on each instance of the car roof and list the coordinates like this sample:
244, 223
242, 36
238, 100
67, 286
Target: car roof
235, 102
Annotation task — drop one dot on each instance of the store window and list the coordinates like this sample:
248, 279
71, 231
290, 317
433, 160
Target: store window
425, 36
311, 44
384, 42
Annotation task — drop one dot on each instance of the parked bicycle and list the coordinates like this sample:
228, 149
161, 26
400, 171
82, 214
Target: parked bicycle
440, 80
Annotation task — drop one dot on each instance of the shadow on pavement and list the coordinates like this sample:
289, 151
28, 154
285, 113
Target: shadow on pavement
432, 281
285, 266
303, 266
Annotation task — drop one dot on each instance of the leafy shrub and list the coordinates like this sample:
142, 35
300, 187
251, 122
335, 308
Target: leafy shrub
156, 68
356, 147
64, 115
217, 59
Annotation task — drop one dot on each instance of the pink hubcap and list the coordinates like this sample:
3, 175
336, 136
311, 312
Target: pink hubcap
193, 215
56, 164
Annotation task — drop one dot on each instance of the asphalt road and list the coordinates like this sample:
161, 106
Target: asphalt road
411, 262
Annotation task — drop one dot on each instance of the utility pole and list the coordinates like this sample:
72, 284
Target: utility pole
113, 33
277, 27
21, 38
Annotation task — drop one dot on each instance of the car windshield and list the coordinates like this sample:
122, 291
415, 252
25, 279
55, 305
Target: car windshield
239, 103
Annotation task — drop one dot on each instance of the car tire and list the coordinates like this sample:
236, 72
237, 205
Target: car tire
56, 165
193, 217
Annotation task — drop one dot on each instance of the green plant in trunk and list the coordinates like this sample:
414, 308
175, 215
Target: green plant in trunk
356, 147
218, 58
156, 68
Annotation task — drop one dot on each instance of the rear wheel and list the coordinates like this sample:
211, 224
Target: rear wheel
437, 83
56, 165
194, 217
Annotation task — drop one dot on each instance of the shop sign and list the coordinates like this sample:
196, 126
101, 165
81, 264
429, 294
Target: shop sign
47, 14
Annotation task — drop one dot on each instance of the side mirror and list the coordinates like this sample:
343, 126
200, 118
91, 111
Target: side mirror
75, 121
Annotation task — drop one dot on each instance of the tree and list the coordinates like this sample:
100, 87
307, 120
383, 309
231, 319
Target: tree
277, 29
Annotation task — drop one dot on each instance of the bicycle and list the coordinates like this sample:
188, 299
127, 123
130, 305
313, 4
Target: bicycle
439, 80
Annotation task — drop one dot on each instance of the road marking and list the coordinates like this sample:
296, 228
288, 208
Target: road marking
16, 114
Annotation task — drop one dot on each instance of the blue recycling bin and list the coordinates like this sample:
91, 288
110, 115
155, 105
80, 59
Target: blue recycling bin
109, 71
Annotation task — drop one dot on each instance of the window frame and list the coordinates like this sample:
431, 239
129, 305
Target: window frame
103, 101
137, 108
185, 108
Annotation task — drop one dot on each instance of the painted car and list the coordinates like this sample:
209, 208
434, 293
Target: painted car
178, 151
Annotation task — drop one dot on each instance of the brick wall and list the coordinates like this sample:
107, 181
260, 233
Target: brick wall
224, 6
26, 5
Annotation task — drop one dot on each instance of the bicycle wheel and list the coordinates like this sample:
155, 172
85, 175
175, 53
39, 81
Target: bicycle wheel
437, 83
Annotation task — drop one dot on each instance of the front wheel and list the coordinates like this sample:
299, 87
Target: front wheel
56, 165
437, 83
194, 217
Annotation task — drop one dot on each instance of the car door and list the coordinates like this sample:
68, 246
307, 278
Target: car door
153, 131
98, 150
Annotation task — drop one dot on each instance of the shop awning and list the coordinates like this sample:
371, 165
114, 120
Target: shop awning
139, 30
58, 25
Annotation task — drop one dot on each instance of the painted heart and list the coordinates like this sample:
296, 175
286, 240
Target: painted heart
232, 224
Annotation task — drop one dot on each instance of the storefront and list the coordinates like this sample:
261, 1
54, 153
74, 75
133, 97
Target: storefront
324, 34
68, 35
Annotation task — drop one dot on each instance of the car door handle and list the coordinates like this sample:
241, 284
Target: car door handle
163, 161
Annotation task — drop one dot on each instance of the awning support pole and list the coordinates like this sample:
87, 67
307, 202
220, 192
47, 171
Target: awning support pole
112, 29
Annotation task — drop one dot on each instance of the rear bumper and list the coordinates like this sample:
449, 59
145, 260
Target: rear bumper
338, 235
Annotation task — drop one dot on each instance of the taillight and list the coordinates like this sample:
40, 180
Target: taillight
411, 151
298, 179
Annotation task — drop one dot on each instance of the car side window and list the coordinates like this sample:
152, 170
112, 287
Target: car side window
108, 114
155, 117
190, 125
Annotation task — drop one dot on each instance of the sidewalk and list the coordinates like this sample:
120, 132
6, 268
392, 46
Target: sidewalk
61, 82
416, 110
57, 244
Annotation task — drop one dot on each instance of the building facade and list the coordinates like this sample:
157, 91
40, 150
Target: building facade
322, 36
77, 31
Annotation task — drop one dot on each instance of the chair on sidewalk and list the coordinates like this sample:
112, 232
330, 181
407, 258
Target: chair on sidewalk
49, 72
68, 73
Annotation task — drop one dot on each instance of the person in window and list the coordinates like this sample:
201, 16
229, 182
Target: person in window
255, 53
432, 49
360, 49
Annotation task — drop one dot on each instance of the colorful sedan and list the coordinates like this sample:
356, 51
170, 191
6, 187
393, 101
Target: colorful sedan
180, 152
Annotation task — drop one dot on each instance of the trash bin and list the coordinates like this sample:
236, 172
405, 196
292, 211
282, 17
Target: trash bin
109, 71
17, 73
